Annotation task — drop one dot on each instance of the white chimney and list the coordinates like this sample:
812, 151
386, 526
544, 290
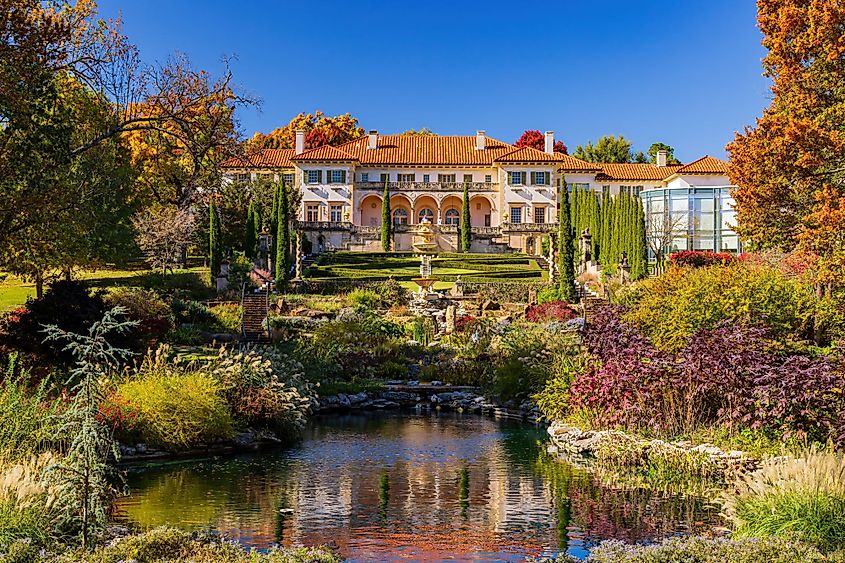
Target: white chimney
662, 157
480, 141
372, 139
549, 147
299, 147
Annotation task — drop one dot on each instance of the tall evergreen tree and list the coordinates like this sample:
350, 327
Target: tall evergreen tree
250, 239
274, 221
283, 238
215, 251
639, 251
386, 224
466, 225
566, 249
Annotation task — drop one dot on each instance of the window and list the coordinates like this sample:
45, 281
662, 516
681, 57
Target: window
467, 178
605, 191
488, 178
312, 213
383, 177
365, 176
446, 178
400, 217
630, 190
336, 213
337, 176
582, 186
540, 178
540, 215
405, 177
516, 215
452, 217
314, 176
516, 178
426, 214
287, 178
426, 178
243, 177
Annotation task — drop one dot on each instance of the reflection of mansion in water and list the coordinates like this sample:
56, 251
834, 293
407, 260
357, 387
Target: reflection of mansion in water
512, 191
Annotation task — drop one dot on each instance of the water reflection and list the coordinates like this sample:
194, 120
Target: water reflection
399, 487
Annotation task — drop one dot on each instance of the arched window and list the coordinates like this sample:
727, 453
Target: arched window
400, 217
453, 217
425, 213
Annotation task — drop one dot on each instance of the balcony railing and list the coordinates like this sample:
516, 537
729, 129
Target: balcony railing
428, 186
529, 227
325, 225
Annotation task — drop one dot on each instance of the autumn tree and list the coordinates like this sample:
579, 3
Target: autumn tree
319, 130
789, 168
533, 138
424, 132
607, 149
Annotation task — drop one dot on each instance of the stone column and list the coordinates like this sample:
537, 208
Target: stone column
450, 319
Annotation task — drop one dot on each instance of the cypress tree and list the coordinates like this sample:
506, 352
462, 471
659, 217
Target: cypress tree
274, 221
282, 238
639, 263
595, 224
385, 218
250, 237
466, 227
566, 249
215, 253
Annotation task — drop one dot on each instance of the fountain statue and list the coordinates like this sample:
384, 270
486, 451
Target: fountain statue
425, 245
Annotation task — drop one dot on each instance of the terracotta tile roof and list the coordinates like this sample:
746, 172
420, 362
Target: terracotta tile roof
532, 155
705, 165
635, 172
264, 158
421, 150
324, 153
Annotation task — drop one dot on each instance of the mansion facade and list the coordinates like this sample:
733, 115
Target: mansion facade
512, 191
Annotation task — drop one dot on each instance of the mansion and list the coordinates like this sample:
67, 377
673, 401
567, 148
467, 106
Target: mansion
512, 191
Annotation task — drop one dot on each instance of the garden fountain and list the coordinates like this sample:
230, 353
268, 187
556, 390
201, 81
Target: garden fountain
425, 245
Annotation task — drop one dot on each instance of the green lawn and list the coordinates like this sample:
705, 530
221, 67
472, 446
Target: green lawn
404, 267
14, 292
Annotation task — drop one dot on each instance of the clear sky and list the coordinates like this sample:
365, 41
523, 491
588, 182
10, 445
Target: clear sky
683, 72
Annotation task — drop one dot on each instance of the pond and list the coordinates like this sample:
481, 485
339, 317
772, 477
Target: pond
407, 486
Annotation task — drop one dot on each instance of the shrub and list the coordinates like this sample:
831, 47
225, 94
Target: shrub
27, 414
803, 497
707, 550
72, 308
550, 311
265, 388
701, 258
365, 299
192, 313
553, 400
227, 316
24, 509
548, 293
152, 314
169, 545
176, 407
671, 307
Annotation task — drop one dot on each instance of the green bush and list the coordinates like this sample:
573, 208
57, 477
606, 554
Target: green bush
803, 497
548, 294
192, 313
706, 550
169, 545
27, 414
174, 406
553, 398
365, 299
227, 317
153, 315
671, 307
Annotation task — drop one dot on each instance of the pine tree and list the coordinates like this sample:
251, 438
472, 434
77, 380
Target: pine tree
250, 240
282, 238
566, 249
215, 252
385, 218
82, 478
466, 226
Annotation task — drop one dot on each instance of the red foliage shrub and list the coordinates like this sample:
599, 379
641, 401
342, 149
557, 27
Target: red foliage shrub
550, 311
701, 258
118, 415
464, 322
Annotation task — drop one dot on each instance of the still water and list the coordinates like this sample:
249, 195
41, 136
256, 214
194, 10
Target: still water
409, 487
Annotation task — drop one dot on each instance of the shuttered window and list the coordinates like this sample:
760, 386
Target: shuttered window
315, 176
516, 178
540, 178
336, 176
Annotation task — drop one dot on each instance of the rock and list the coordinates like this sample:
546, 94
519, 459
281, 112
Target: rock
244, 438
490, 305
141, 448
127, 451
436, 383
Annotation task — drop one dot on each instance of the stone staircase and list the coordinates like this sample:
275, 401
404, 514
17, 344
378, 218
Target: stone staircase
591, 301
254, 308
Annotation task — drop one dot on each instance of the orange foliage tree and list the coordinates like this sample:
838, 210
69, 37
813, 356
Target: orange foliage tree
319, 128
789, 168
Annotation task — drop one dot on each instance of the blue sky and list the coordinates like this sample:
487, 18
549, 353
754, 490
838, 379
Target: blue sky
686, 73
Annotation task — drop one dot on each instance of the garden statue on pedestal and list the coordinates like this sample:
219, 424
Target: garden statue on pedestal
624, 269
